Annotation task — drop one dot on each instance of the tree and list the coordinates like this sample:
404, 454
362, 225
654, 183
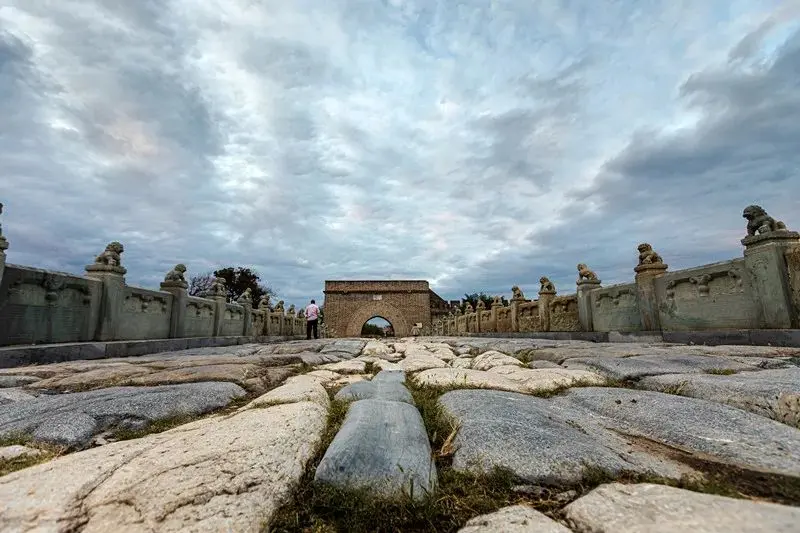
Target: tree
237, 280
371, 330
473, 298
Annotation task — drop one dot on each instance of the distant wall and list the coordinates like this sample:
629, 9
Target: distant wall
758, 291
43, 307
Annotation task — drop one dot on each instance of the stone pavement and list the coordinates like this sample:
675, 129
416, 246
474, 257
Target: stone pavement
220, 439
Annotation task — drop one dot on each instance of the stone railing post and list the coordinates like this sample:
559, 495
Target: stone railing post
516, 298
480, 308
547, 293
219, 294
496, 304
281, 323
650, 268
3, 248
246, 301
107, 268
587, 282
771, 258
175, 284
263, 305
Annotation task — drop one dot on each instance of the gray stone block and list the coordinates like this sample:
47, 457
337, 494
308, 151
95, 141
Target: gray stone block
710, 338
773, 394
72, 419
382, 446
397, 376
731, 435
638, 366
392, 391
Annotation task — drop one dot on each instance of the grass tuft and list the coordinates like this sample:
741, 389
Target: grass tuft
720, 371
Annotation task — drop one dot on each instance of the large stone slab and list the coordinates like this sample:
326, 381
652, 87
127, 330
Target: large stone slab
377, 348
382, 446
106, 376
345, 348
493, 358
299, 346
229, 372
467, 378
538, 441
513, 519
296, 389
15, 395
220, 474
351, 366
73, 419
728, 434
618, 508
417, 363
639, 366
771, 393
548, 379
377, 389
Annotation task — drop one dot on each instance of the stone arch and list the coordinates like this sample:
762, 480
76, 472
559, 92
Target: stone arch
382, 309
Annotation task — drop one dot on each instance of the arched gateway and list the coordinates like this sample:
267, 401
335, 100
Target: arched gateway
348, 304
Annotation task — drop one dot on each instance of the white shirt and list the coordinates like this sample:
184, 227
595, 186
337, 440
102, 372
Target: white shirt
312, 311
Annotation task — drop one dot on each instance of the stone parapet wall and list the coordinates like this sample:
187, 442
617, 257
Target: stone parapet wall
43, 307
758, 291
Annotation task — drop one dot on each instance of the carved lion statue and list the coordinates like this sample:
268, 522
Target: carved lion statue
481, 305
469, 309
111, 256
263, 303
516, 293
279, 307
246, 297
177, 273
291, 309
497, 301
546, 285
648, 256
758, 221
585, 273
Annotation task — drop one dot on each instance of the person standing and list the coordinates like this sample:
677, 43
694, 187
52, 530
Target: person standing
312, 316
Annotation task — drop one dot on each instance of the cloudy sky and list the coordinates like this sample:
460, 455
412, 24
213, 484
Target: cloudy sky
473, 143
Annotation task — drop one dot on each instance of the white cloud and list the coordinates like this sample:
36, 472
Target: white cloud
477, 145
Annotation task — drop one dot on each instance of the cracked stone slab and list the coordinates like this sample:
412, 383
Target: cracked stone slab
221, 474
73, 419
639, 366
548, 379
774, 394
618, 508
538, 441
230, 372
514, 519
377, 348
382, 445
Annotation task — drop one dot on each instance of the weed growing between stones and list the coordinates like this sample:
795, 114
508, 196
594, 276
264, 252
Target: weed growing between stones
720, 371
156, 426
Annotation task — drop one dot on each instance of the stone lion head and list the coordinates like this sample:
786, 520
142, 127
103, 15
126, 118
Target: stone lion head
644, 247
751, 212
543, 279
581, 267
180, 267
115, 247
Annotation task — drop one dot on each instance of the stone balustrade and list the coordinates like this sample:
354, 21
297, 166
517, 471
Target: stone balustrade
758, 291
41, 307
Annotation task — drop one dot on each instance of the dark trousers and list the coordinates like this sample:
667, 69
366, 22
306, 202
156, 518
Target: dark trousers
311, 325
